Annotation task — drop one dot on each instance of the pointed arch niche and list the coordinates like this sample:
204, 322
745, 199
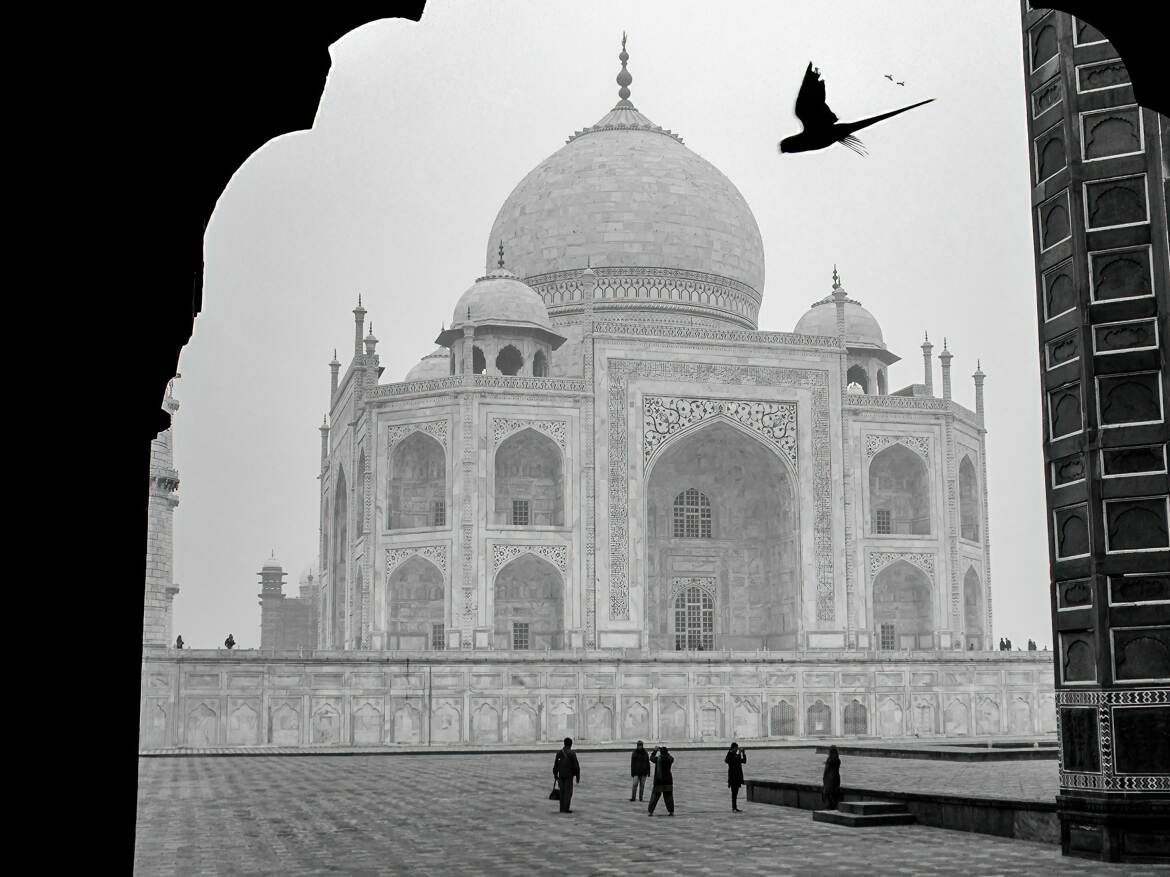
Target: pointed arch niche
340, 553
529, 481
529, 592
415, 602
417, 492
737, 520
968, 500
899, 493
902, 609
973, 610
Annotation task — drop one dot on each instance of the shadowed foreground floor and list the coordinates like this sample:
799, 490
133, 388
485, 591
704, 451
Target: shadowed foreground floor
490, 814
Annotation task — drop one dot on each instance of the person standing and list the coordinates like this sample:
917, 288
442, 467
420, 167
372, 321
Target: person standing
566, 769
663, 779
639, 770
736, 758
831, 780
230, 642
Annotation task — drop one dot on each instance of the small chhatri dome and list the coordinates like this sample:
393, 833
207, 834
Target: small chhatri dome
436, 364
862, 330
272, 563
500, 299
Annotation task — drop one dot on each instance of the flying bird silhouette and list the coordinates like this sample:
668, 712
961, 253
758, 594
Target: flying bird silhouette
903, 83
889, 77
820, 125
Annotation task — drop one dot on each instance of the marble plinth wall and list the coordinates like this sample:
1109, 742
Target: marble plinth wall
1099, 194
216, 699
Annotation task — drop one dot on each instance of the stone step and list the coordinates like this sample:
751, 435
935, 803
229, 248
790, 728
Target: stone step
866, 808
858, 820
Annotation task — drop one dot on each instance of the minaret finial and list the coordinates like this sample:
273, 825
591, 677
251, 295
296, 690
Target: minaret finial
359, 299
501, 253
836, 277
624, 78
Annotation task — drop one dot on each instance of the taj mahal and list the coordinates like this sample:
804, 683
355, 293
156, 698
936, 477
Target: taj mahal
605, 451
608, 504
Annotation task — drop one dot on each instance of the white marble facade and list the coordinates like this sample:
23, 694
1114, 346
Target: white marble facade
605, 452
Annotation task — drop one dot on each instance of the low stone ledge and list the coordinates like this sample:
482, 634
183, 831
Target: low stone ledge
1004, 817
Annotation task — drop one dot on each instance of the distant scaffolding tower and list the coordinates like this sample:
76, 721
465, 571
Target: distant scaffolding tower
160, 586
1100, 228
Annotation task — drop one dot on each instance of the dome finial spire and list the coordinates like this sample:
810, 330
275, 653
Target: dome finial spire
836, 277
624, 78
501, 253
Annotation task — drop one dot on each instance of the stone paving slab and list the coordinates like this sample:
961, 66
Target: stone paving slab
488, 814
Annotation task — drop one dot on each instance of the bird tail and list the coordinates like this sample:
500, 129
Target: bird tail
865, 123
853, 143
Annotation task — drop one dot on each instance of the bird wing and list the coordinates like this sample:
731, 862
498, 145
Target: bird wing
811, 108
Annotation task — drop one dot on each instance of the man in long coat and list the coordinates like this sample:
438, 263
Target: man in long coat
566, 770
663, 779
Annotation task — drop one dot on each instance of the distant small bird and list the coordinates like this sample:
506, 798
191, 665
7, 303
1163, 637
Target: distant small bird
889, 77
820, 124
903, 83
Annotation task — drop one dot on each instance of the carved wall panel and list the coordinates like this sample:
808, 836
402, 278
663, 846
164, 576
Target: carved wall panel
665, 416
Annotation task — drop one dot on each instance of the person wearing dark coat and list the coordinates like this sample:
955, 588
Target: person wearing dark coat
639, 770
179, 642
735, 759
831, 781
230, 642
663, 779
566, 770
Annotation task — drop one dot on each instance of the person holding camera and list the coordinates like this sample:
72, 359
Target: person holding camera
663, 779
735, 759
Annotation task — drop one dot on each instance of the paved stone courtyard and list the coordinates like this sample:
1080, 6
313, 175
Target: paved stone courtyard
489, 814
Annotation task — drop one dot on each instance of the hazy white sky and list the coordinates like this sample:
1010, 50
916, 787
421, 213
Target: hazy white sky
424, 129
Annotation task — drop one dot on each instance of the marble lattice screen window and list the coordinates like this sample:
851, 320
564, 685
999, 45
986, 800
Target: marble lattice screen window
881, 521
888, 640
520, 635
521, 512
438, 637
694, 621
439, 513
692, 515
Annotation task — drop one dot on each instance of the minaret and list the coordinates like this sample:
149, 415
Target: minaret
271, 603
371, 341
164, 482
944, 359
359, 317
927, 366
979, 376
334, 367
324, 427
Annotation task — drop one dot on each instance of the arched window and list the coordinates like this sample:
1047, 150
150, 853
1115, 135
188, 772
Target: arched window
417, 488
509, 361
478, 362
857, 375
694, 620
855, 717
968, 501
540, 364
692, 515
819, 720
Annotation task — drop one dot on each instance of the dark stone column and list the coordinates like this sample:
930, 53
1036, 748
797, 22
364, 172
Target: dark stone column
1099, 219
